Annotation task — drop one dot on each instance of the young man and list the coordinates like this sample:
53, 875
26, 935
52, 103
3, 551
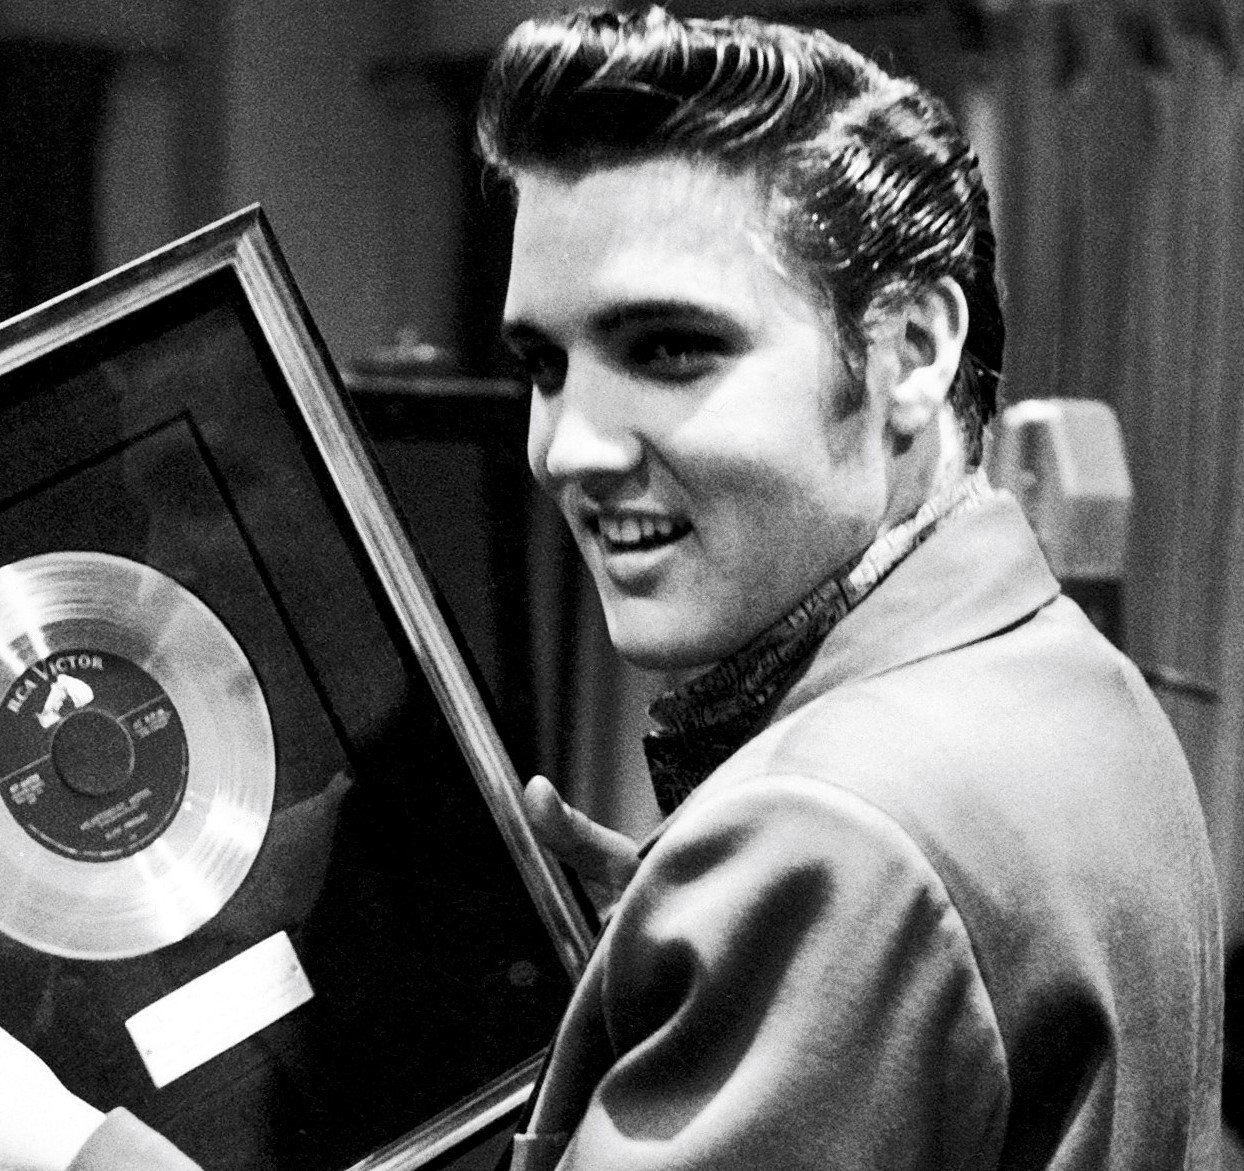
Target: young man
933, 890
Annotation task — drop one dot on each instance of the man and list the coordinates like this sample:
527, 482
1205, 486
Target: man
933, 890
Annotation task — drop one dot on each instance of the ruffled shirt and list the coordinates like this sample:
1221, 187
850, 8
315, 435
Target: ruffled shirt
698, 725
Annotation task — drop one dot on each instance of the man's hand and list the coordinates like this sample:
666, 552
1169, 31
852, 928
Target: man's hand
42, 1125
604, 859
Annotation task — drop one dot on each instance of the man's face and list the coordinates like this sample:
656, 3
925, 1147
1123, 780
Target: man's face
687, 412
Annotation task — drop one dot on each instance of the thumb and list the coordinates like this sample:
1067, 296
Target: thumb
597, 853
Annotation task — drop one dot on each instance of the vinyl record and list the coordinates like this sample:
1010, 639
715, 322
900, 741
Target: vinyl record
137, 765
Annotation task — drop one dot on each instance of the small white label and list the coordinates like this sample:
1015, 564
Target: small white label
216, 1010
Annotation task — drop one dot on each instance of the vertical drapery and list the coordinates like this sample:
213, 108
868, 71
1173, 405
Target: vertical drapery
51, 107
1123, 255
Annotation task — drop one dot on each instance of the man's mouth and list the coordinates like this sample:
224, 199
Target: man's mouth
634, 532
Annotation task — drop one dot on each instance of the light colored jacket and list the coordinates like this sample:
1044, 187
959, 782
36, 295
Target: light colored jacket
954, 908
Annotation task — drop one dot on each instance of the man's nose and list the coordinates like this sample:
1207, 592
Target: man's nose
584, 432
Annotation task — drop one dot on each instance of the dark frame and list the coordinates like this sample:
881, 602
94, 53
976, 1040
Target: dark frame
242, 250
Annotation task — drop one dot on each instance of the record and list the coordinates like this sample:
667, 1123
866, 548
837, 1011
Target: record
137, 762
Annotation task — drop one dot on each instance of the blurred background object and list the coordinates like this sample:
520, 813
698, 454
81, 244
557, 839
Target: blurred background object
1064, 461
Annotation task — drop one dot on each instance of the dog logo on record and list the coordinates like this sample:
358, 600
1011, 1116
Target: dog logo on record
66, 695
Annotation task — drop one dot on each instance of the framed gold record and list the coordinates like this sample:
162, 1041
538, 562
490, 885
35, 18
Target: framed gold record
265, 878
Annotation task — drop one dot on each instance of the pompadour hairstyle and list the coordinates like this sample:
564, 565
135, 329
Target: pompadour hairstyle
874, 193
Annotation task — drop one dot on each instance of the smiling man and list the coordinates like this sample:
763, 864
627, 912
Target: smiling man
933, 889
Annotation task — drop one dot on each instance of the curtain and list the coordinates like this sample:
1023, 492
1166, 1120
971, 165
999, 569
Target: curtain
1122, 242
52, 100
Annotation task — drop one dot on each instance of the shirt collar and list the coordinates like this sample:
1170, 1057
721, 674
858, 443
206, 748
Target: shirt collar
698, 725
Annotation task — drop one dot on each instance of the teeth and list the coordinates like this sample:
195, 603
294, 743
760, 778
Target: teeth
636, 530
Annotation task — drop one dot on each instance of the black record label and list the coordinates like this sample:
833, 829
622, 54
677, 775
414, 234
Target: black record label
93, 755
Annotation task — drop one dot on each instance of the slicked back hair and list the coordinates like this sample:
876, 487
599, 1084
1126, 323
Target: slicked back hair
874, 193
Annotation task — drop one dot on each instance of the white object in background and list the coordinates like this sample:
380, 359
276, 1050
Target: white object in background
1064, 460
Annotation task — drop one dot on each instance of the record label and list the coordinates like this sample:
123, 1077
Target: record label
93, 755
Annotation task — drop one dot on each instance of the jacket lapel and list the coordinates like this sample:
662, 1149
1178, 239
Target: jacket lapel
980, 572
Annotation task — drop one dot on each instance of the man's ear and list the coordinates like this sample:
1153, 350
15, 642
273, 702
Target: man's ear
924, 337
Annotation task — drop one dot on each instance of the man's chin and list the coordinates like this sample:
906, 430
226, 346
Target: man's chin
669, 647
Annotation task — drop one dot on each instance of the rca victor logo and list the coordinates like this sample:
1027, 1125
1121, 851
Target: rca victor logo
67, 691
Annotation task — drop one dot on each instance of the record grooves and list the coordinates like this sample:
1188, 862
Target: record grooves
137, 765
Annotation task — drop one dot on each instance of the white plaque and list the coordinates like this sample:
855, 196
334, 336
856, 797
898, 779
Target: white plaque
216, 1010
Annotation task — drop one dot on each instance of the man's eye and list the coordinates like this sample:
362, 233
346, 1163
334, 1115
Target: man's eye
545, 369
678, 355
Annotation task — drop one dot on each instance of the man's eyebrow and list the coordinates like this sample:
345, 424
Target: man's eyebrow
692, 313
522, 335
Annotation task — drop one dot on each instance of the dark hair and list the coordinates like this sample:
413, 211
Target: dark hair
874, 191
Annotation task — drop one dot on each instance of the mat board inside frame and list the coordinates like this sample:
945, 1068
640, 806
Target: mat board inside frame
334, 946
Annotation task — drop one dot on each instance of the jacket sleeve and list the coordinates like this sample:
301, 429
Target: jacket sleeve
787, 985
123, 1143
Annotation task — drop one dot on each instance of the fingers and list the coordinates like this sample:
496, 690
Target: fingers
597, 853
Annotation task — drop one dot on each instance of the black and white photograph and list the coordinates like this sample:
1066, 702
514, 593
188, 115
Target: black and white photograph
618, 587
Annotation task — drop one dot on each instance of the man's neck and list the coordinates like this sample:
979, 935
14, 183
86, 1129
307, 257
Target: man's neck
928, 469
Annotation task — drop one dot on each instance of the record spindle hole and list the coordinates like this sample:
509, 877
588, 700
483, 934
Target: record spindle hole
92, 753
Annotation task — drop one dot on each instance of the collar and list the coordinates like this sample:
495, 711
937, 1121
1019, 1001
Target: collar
699, 725
979, 573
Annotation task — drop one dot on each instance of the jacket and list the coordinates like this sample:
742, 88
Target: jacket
953, 908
